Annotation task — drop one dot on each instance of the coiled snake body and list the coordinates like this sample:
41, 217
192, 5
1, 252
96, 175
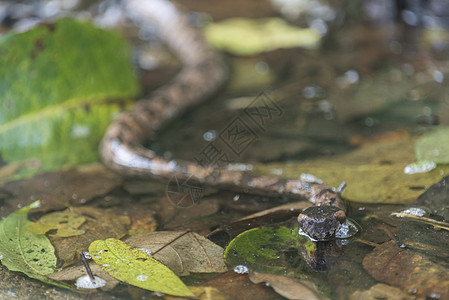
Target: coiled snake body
202, 73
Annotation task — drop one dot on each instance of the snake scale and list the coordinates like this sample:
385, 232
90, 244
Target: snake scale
203, 72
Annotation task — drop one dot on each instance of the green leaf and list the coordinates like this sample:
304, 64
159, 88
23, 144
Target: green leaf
135, 267
24, 251
65, 223
248, 37
57, 95
261, 248
434, 146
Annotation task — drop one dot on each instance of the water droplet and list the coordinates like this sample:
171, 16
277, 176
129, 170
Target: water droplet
241, 269
210, 135
86, 283
420, 167
142, 277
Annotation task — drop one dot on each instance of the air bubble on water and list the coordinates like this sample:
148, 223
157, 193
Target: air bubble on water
346, 230
141, 277
438, 76
210, 135
241, 269
86, 283
276, 171
420, 167
262, 67
310, 178
236, 197
145, 250
351, 76
1, 256
415, 211
240, 167
12, 294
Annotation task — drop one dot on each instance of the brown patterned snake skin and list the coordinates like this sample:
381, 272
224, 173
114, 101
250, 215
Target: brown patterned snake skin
202, 74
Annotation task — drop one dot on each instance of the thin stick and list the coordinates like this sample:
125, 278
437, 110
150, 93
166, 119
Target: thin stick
86, 265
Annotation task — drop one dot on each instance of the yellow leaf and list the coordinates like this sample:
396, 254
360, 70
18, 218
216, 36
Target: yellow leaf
65, 223
248, 37
136, 267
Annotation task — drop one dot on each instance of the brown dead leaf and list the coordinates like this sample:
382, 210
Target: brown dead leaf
403, 268
288, 287
58, 190
181, 251
383, 291
99, 224
239, 287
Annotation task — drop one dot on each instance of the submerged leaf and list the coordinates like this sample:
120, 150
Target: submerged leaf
247, 37
100, 224
401, 267
261, 248
65, 223
24, 251
137, 268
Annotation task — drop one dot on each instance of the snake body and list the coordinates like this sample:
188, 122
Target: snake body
203, 72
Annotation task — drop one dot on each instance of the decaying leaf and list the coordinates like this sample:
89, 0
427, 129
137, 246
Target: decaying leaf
287, 287
386, 181
24, 251
383, 291
183, 252
58, 190
247, 37
238, 286
136, 267
403, 268
65, 223
100, 224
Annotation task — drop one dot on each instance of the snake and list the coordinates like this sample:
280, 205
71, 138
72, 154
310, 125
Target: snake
203, 72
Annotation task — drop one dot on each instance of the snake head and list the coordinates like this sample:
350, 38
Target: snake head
321, 222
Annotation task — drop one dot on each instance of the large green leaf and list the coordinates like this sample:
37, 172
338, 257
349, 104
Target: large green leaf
57, 90
24, 251
136, 267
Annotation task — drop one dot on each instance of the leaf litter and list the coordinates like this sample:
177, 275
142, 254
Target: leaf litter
99, 224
